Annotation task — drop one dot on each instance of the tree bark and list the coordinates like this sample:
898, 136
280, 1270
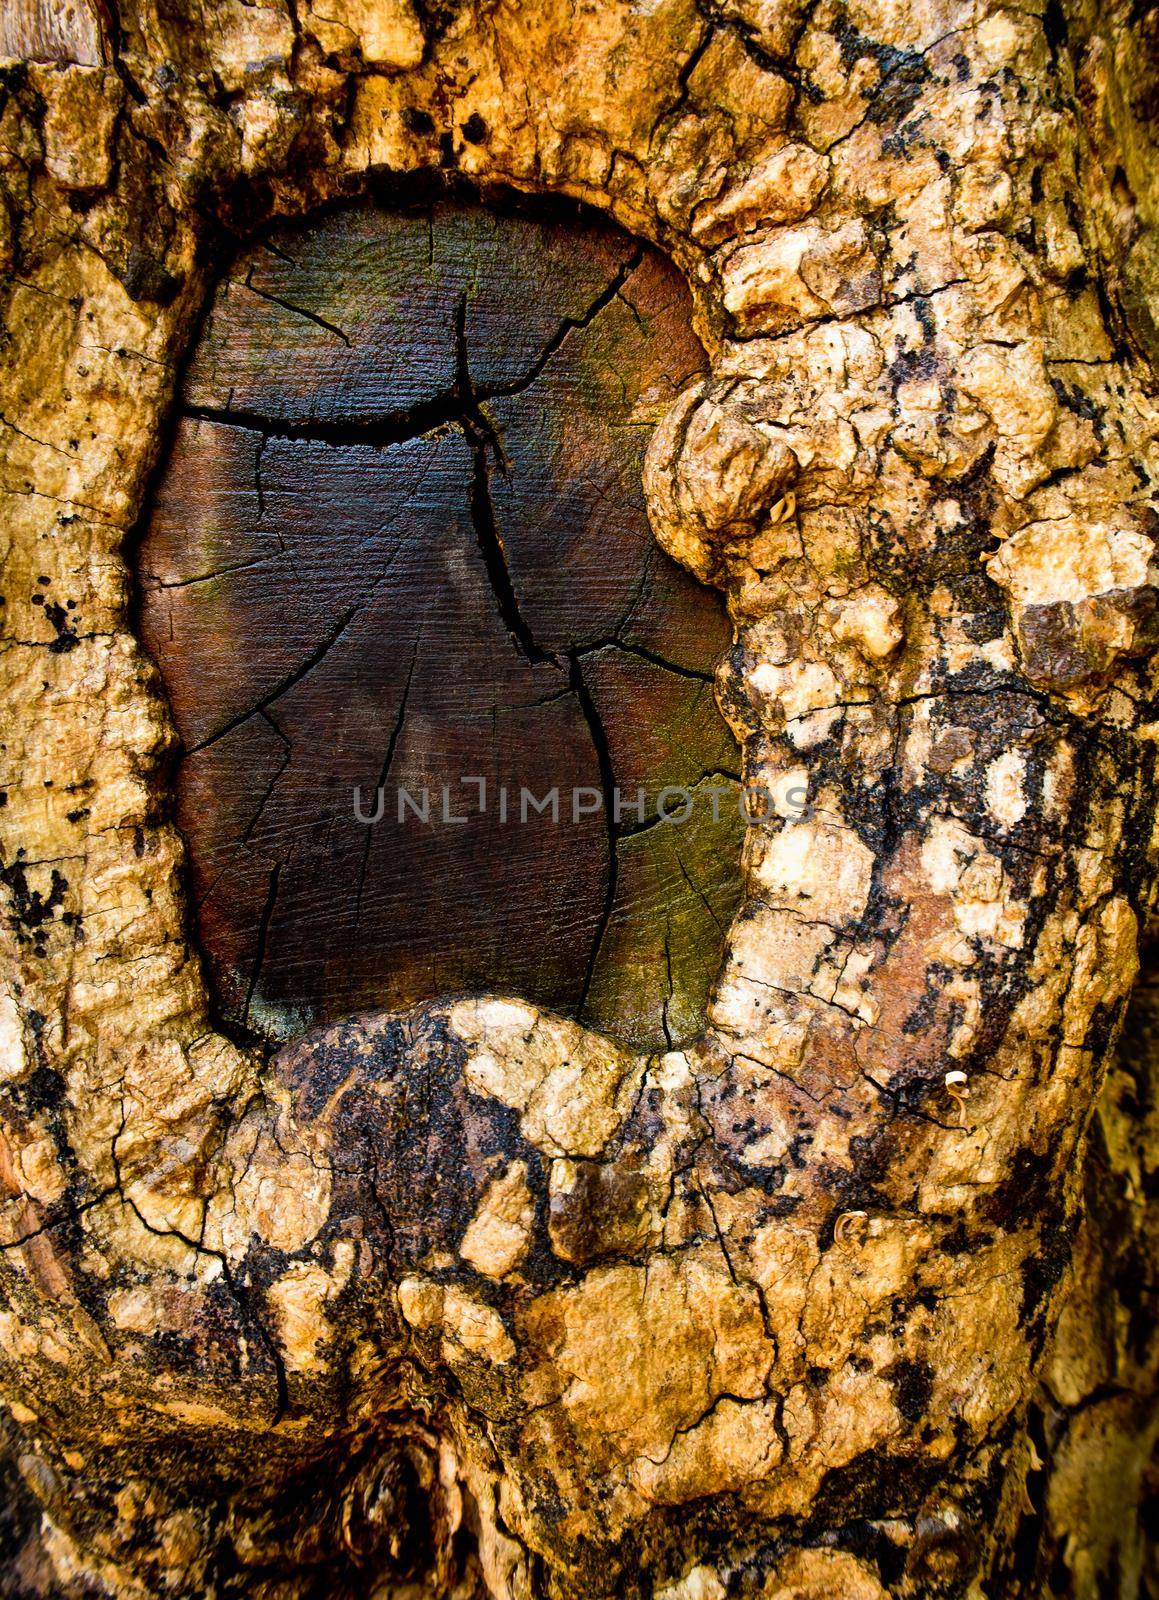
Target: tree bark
849, 1293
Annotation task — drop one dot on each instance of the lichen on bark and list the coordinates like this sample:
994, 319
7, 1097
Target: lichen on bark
472, 1300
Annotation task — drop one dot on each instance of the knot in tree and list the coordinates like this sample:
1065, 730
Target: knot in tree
431, 674
577, 804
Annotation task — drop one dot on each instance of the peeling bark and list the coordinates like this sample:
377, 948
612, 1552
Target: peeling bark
847, 1294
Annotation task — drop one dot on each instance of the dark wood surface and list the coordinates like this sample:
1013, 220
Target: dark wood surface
401, 539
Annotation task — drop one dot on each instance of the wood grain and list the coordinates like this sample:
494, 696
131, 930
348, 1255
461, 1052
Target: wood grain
399, 540
52, 30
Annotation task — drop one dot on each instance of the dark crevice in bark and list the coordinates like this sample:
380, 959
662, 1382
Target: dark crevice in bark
644, 578
699, 892
297, 311
457, 406
279, 252
287, 754
494, 554
568, 326
635, 829
481, 437
259, 487
263, 936
668, 974
693, 59
897, 1098
387, 760
69, 1215
608, 784
288, 682
745, 34
646, 824
44, 444
376, 433
719, 1231
220, 572
243, 1299
643, 654
240, 1296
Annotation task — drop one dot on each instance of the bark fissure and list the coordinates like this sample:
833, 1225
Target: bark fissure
290, 681
608, 785
264, 922
387, 762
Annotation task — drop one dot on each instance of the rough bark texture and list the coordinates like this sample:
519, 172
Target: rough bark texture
850, 1294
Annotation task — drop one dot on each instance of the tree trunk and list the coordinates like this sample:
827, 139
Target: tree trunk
511, 1249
